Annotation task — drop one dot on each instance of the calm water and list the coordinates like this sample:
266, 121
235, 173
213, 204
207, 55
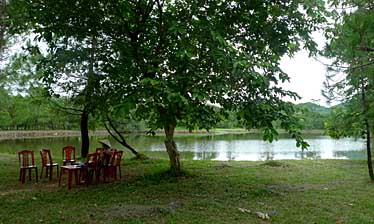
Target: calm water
215, 147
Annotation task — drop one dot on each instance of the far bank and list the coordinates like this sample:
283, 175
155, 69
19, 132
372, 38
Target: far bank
74, 133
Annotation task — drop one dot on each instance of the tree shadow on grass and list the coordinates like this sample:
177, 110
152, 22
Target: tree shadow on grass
160, 176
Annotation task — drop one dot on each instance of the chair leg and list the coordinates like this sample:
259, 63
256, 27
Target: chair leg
50, 172
29, 174
76, 175
23, 175
41, 172
21, 171
89, 176
57, 170
97, 173
115, 172
59, 181
120, 176
36, 174
70, 177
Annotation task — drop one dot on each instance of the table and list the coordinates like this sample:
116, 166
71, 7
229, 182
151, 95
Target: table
72, 169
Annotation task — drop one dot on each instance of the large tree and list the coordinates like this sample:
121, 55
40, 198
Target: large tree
71, 48
172, 60
178, 58
351, 75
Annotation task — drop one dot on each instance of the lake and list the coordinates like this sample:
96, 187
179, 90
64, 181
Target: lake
220, 147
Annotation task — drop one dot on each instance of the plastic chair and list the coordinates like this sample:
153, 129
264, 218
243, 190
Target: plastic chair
115, 164
99, 150
47, 162
27, 162
68, 155
91, 168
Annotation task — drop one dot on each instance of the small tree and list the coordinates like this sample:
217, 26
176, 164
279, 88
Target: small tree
350, 44
74, 48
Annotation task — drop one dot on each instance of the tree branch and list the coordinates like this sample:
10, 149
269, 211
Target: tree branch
122, 140
67, 109
364, 48
346, 67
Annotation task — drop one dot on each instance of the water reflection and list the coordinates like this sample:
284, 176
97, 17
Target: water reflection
213, 147
224, 148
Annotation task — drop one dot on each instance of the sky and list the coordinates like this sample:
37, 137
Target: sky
306, 74
306, 77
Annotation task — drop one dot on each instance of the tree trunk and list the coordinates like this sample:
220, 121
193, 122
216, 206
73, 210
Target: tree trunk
171, 148
84, 134
368, 149
367, 129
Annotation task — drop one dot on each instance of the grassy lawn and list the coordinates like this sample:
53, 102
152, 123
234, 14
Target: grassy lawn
309, 191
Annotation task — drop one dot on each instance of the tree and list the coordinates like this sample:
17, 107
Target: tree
178, 58
5, 119
313, 116
171, 60
2, 24
346, 120
350, 44
69, 67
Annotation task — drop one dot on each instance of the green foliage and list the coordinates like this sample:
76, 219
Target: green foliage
3, 27
32, 113
345, 121
351, 46
229, 120
170, 60
313, 116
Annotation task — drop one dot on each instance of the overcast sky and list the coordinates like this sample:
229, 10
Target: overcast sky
306, 77
307, 74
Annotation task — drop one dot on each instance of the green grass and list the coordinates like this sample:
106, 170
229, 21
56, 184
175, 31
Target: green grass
307, 191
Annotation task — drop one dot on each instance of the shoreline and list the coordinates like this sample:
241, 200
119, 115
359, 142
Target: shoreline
9, 135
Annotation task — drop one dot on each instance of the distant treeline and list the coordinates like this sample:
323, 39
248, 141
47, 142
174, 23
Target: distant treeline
313, 116
30, 113
36, 113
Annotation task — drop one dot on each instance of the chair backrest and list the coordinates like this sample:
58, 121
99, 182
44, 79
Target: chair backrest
99, 150
46, 156
116, 158
68, 153
91, 159
26, 158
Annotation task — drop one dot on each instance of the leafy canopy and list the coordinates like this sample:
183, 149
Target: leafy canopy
171, 60
351, 75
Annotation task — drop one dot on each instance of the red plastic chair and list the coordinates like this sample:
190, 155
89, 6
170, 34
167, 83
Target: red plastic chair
91, 168
26, 162
99, 150
115, 164
48, 163
68, 155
